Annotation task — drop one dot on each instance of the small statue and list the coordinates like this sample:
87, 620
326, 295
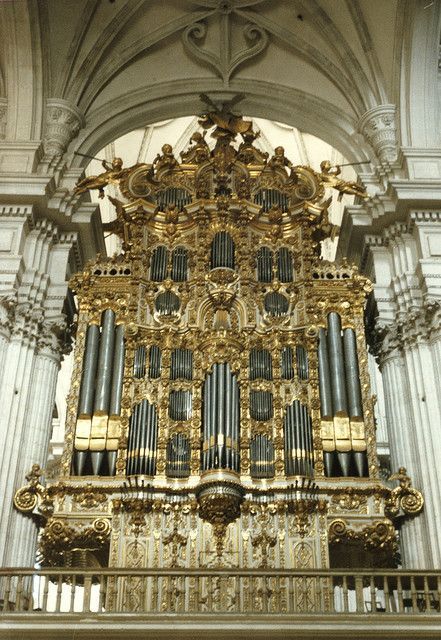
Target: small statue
279, 159
166, 160
402, 477
329, 177
226, 123
112, 174
247, 152
198, 153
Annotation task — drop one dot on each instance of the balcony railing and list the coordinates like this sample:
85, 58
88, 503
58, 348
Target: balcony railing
219, 591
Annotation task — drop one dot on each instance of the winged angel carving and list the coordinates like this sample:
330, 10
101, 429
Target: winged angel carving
227, 60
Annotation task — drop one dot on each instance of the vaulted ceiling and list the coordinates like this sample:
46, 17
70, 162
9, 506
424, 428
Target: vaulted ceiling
316, 64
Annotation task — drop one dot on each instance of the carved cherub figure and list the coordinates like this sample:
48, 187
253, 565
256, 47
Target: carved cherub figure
166, 160
199, 152
247, 152
279, 159
113, 172
329, 176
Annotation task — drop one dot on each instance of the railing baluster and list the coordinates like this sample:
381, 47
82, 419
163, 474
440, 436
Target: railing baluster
73, 586
59, 592
102, 581
87, 593
373, 594
45, 592
386, 594
19, 594
7, 593
413, 595
400, 595
345, 595
359, 603
427, 601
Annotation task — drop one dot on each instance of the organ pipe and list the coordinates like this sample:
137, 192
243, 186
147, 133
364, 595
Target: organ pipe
118, 372
179, 264
139, 362
159, 263
103, 382
336, 363
261, 457
284, 265
298, 440
302, 363
178, 456
352, 374
287, 369
154, 362
222, 251
264, 264
326, 405
90, 363
220, 419
261, 405
181, 366
260, 364
142, 440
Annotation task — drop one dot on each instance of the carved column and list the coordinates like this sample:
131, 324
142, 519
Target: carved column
378, 126
36, 435
406, 267
404, 450
33, 287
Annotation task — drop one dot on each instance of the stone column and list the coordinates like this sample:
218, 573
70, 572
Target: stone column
404, 449
36, 434
33, 286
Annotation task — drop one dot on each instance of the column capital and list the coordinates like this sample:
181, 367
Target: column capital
378, 126
63, 121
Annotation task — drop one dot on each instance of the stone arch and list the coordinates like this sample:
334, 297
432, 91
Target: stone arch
262, 99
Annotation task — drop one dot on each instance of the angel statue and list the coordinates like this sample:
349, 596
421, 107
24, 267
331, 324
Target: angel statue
227, 124
112, 174
329, 176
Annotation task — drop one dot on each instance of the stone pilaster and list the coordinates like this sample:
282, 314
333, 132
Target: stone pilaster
378, 126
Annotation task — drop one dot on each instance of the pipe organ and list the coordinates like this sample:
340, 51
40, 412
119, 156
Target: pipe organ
221, 385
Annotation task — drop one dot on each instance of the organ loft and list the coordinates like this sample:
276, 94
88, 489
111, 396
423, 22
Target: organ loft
220, 412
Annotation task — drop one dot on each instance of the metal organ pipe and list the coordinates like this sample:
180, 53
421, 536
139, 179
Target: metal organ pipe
118, 372
302, 363
179, 264
326, 406
264, 264
222, 251
298, 440
220, 419
154, 362
90, 362
105, 359
352, 374
285, 271
336, 362
158, 269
